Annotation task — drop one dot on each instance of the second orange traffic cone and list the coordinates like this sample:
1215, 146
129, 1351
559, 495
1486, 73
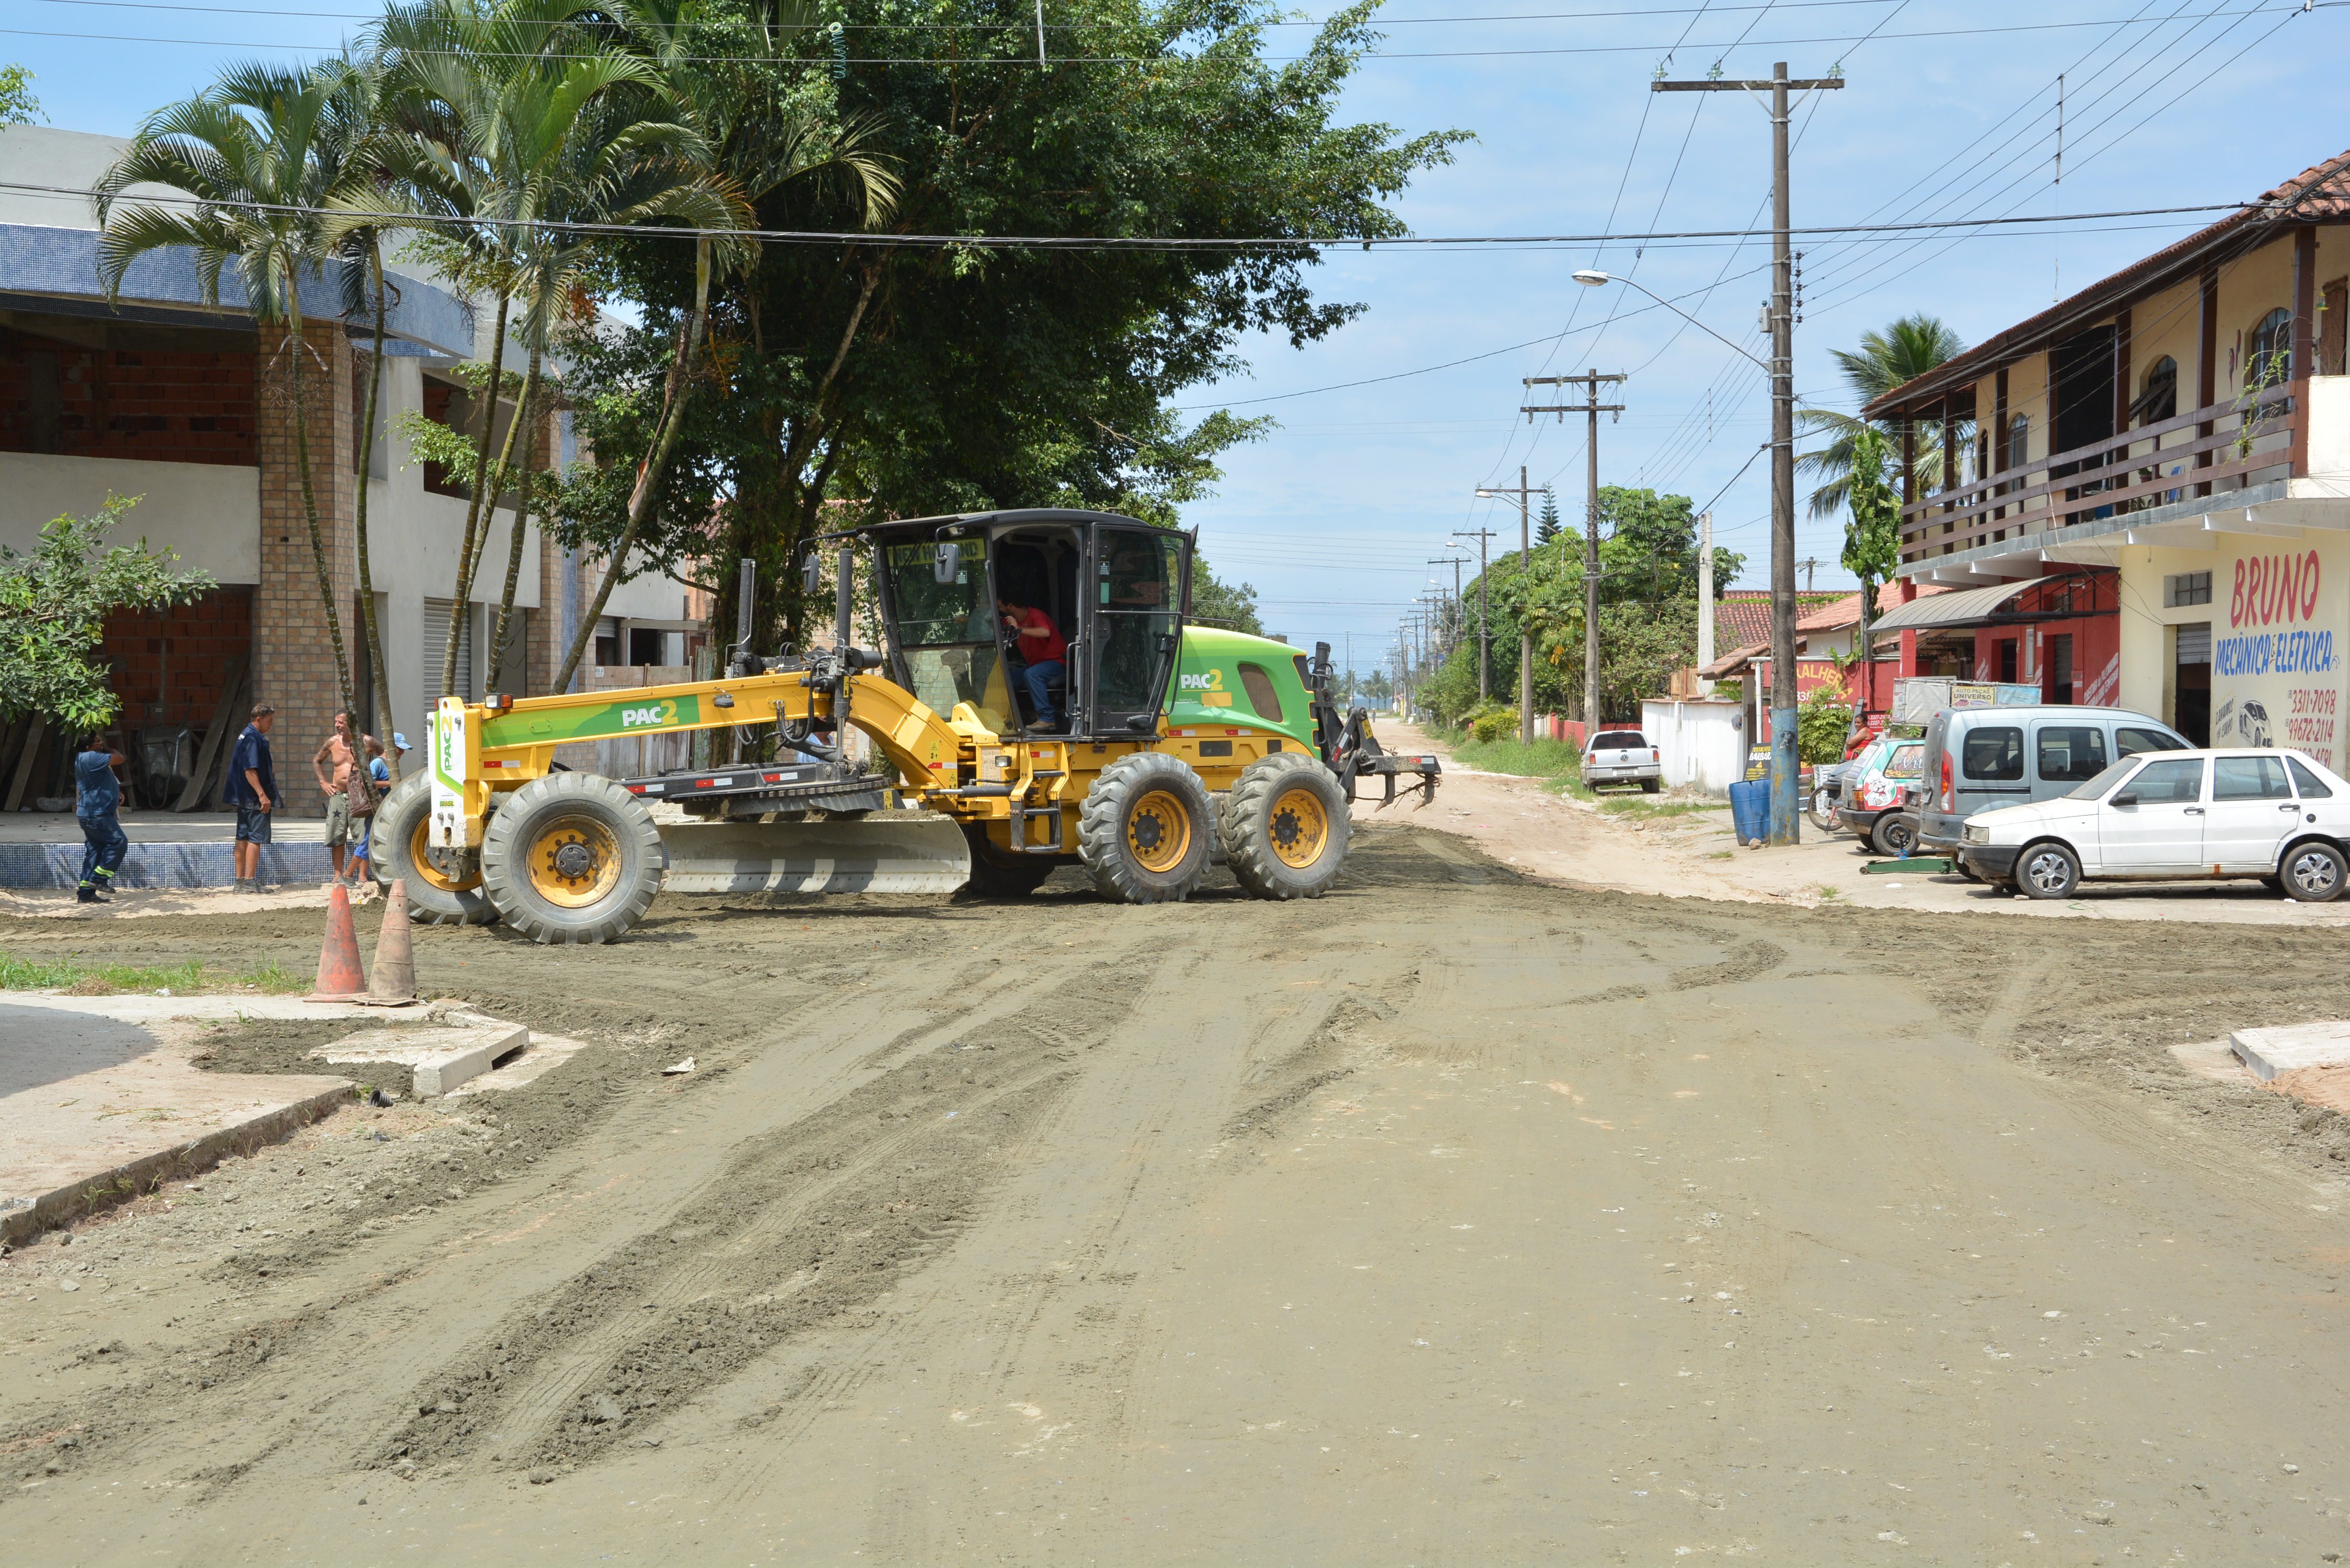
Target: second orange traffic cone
339, 979
395, 951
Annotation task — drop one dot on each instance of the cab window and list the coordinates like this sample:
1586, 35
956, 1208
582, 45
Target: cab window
2129, 740
1261, 694
1994, 752
2071, 753
2249, 778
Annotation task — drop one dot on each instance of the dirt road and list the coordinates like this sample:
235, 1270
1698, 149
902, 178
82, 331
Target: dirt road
1452, 1218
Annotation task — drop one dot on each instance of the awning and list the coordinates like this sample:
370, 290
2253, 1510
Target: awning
1966, 607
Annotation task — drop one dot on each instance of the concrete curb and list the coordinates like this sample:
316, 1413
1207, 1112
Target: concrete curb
90, 1194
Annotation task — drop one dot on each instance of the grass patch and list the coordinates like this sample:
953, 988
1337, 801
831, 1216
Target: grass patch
79, 979
1557, 762
1645, 805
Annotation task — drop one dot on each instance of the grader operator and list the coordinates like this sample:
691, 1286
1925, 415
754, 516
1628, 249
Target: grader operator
1159, 748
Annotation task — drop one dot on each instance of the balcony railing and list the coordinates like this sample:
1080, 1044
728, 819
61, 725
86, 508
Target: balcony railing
2207, 453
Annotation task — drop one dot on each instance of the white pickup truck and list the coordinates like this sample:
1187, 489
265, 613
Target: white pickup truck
1623, 757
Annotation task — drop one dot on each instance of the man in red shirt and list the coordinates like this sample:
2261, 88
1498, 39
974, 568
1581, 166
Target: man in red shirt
1037, 650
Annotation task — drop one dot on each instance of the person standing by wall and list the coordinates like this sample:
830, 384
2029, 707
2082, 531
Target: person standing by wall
333, 762
253, 790
98, 800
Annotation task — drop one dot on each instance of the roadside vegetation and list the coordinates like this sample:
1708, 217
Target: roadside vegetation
70, 975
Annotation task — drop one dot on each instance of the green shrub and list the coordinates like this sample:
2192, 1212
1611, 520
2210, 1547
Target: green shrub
1821, 727
1492, 722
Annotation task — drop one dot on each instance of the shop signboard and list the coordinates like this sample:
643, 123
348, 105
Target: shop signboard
2276, 660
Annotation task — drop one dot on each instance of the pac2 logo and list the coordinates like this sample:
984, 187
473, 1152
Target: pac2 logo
650, 713
1214, 680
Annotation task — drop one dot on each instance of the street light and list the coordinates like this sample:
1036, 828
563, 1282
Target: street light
1779, 367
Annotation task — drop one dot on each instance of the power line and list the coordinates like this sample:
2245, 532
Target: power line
1110, 242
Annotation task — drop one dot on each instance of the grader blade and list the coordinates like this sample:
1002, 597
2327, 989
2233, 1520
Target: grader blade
893, 852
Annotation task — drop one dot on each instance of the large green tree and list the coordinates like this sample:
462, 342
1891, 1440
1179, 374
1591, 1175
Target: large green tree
891, 376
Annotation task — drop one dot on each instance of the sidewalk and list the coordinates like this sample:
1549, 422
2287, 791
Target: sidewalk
168, 849
1683, 847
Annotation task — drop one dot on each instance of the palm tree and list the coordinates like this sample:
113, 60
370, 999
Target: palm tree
1886, 358
260, 161
355, 232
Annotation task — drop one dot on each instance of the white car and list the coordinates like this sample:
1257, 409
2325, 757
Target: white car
2171, 816
1622, 757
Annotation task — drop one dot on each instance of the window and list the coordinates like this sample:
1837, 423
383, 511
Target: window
2060, 668
1619, 740
2104, 781
436, 647
2157, 398
1906, 761
2018, 442
2267, 358
2071, 753
2176, 782
1139, 588
2186, 588
2132, 738
2007, 659
2312, 786
2249, 778
1261, 694
1994, 752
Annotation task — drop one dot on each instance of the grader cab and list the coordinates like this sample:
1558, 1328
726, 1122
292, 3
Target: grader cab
1159, 748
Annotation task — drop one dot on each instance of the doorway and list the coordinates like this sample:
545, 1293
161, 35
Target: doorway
2190, 682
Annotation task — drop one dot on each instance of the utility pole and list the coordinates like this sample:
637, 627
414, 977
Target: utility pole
1593, 408
1452, 625
1526, 633
1704, 599
1810, 564
1785, 812
1484, 621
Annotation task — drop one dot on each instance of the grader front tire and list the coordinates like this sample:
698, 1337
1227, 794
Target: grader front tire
1143, 831
1285, 828
572, 857
399, 841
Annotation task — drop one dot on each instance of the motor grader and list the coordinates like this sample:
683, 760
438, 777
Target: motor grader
1178, 745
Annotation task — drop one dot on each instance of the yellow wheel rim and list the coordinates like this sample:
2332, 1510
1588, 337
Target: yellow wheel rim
574, 862
1300, 828
419, 859
1159, 832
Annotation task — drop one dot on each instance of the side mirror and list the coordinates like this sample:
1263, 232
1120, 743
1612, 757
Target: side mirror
947, 564
811, 574
2127, 797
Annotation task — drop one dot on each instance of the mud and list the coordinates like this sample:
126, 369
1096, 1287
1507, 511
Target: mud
1452, 1216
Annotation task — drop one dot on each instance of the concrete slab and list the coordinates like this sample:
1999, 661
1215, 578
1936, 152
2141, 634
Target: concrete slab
441, 1059
95, 1108
2292, 1048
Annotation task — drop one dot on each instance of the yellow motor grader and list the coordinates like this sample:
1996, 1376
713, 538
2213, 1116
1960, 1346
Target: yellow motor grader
1173, 746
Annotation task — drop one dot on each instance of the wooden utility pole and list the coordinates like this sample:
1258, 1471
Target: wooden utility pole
1484, 621
1786, 813
1452, 618
1592, 407
1526, 633
1704, 599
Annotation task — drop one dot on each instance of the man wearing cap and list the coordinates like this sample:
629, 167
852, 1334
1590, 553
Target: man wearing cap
253, 790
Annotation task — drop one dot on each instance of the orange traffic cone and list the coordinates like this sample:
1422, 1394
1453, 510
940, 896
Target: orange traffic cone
339, 979
395, 953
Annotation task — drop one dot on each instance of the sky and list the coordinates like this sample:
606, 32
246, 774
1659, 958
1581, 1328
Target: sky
1386, 427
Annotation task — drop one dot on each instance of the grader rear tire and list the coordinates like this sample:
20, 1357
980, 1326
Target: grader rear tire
1285, 828
572, 857
1012, 877
400, 841
1143, 831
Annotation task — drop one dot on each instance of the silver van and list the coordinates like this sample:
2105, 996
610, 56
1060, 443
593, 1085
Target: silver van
1980, 758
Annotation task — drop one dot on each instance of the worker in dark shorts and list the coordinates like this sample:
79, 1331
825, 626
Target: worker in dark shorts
253, 790
98, 800
334, 763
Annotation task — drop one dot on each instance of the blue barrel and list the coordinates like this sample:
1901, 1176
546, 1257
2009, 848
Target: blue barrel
1750, 809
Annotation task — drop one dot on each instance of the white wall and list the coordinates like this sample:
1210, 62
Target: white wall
1704, 743
210, 513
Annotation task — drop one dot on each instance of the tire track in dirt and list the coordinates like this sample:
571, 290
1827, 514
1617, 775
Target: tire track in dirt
815, 1222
